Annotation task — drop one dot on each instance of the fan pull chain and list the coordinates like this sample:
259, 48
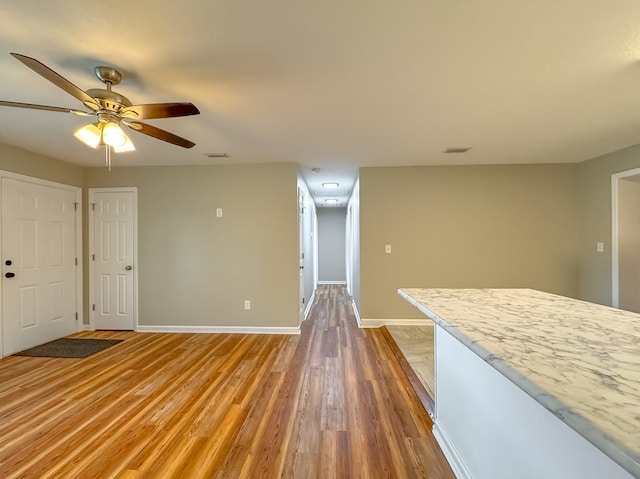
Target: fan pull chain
108, 156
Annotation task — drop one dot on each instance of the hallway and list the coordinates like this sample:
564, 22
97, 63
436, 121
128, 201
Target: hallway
357, 414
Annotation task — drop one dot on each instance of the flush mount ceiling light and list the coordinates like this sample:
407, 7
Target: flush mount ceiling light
331, 201
112, 109
330, 185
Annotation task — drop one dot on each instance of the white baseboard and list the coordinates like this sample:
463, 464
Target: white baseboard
309, 304
332, 282
144, 328
451, 453
356, 312
377, 323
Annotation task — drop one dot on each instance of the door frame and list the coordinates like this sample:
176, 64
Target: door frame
92, 250
301, 259
615, 267
78, 244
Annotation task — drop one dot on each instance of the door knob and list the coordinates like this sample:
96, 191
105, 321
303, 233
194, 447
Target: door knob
128, 268
9, 275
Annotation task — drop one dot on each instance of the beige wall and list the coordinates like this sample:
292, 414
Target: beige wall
31, 164
195, 269
595, 205
466, 226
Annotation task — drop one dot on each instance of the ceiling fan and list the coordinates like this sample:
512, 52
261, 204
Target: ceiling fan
112, 110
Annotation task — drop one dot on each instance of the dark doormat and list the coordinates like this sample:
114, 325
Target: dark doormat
69, 348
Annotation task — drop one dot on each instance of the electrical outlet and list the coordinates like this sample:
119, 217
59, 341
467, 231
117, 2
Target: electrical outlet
219, 212
387, 249
247, 304
600, 247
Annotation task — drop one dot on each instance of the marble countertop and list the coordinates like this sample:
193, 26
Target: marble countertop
580, 360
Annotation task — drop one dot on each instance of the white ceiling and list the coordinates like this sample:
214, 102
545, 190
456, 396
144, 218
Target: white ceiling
336, 84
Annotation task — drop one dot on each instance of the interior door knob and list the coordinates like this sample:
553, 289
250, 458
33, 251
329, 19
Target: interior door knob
9, 275
128, 268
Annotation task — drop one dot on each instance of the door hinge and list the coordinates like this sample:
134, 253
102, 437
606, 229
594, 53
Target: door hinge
93, 257
93, 206
302, 300
76, 316
75, 206
76, 261
93, 307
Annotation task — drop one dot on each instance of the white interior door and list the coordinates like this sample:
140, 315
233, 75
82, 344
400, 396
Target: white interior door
301, 251
113, 257
38, 263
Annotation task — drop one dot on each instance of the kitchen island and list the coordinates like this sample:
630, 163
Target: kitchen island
534, 385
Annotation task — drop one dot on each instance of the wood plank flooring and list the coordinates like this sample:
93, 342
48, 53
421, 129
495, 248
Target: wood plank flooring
329, 403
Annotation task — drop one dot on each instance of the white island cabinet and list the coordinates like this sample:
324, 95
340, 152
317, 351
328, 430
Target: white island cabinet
533, 385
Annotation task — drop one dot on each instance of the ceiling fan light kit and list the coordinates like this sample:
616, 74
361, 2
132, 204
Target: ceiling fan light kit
102, 134
112, 110
90, 135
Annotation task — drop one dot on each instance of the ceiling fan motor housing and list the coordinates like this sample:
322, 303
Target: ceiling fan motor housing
109, 99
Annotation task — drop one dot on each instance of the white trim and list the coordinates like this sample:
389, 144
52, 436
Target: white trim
332, 282
37, 181
309, 304
356, 312
80, 265
451, 454
377, 323
143, 328
615, 284
124, 189
78, 240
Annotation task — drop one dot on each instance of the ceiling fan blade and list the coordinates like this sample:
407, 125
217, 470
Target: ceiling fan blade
44, 107
159, 110
159, 134
57, 80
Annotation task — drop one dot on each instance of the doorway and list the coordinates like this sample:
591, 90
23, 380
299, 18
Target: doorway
625, 261
41, 277
332, 238
113, 278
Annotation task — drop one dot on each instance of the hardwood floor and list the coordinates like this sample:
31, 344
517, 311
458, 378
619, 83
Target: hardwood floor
329, 403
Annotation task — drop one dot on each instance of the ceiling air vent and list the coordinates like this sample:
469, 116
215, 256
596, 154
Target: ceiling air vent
217, 155
457, 150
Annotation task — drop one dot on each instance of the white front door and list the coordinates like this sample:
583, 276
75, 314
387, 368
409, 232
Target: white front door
38, 263
113, 226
